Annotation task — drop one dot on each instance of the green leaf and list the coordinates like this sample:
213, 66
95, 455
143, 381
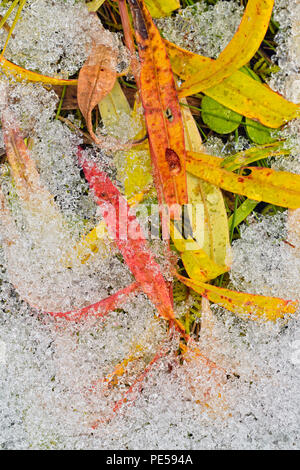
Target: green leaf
257, 132
219, 118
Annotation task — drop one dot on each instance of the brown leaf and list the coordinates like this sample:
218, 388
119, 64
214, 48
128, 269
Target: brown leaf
70, 98
96, 79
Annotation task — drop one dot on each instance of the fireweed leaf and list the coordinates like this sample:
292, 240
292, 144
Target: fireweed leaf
96, 79
101, 308
207, 255
239, 51
19, 73
238, 92
253, 154
160, 8
133, 165
246, 306
131, 244
162, 109
261, 184
255, 130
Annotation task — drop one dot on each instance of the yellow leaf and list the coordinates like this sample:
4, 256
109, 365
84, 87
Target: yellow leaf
160, 8
261, 184
113, 105
134, 165
246, 306
210, 255
20, 74
238, 92
239, 51
94, 5
253, 154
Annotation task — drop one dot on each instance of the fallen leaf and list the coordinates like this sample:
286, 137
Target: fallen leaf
96, 79
20, 74
208, 254
161, 8
255, 130
101, 308
133, 165
131, 244
238, 92
162, 110
253, 154
261, 184
94, 5
238, 52
246, 306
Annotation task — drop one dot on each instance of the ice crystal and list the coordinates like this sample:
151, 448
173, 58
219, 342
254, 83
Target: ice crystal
52, 371
201, 28
272, 266
54, 38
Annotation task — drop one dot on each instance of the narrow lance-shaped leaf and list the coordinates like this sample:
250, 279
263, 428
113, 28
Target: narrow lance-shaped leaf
101, 308
208, 255
238, 92
256, 132
161, 8
96, 79
261, 184
247, 306
94, 5
242, 212
239, 51
162, 109
131, 244
253, 154
133, 165
12, 70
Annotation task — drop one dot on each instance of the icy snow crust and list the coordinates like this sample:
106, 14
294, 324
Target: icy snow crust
50, 388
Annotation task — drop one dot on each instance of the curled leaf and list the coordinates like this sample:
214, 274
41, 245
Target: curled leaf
96, 79
239, 92
261, 184
19, 73
239, 51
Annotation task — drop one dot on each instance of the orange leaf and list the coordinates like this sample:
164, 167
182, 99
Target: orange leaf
96, 79
249, 306
162, 109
